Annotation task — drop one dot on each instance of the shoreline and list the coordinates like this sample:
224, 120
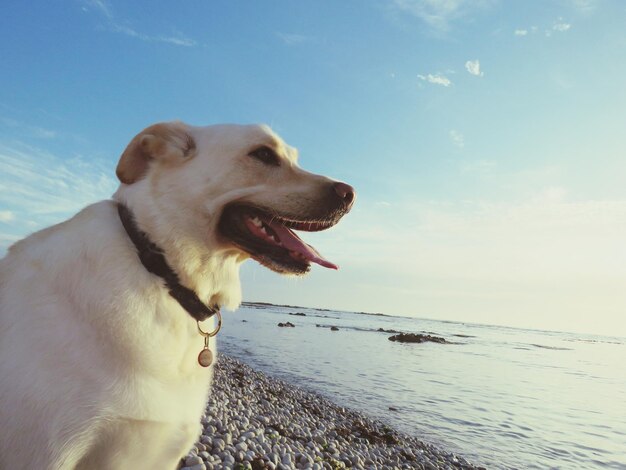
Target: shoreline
268, 305
254, 421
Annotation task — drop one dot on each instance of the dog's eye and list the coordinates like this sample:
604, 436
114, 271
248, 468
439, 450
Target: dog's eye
266, 155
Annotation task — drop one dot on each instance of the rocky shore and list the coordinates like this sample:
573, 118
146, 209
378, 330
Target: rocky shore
256, 422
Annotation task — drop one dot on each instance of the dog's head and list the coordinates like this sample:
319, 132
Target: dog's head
228, 190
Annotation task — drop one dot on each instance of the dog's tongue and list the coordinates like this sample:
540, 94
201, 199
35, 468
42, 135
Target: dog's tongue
293, 243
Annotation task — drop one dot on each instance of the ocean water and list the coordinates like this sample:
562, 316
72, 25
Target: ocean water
501, 397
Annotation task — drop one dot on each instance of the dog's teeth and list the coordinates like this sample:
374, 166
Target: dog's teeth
262, 230
256, 221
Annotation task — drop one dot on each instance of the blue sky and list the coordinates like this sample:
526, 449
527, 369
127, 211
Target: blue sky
485, 138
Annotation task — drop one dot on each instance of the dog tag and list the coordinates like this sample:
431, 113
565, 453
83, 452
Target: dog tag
205, 358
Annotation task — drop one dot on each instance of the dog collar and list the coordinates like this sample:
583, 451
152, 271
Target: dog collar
153, 259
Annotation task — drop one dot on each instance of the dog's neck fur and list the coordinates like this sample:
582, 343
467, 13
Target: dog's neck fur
210, 271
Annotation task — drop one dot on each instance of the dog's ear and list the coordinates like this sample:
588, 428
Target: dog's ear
169, 143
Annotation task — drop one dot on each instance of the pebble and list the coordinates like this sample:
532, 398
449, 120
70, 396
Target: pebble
218, 444
193, 460
249, 435
253, 421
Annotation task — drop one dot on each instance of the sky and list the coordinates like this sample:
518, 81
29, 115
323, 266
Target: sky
486, 139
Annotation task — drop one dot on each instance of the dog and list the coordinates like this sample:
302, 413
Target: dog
99, 350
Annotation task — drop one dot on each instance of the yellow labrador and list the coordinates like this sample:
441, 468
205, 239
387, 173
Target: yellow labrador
100, 315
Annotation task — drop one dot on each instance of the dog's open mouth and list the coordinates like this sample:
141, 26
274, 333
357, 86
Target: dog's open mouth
269, 238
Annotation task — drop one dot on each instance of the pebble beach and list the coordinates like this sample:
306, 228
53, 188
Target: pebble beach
253, 421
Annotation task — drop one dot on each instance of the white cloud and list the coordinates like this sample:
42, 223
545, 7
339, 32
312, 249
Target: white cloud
558, 26
292, 39
178, 39
457, 138
473, 67
584, 6
27, 130
561, 27
114, 25
42, 133
6, 216
38, 189
438, 14
99, 5
544, 261
437, 79
542, 225
550, 195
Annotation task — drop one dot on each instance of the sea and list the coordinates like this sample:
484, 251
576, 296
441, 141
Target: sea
501, 397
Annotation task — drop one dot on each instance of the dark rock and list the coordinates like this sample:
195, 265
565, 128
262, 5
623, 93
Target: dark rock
298, 314
416, 338
369, 433
288, 324
334, 328
259, 464
244, 321
388, 331
393, 408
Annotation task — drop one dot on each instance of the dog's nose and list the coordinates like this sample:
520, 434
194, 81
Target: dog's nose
345, 192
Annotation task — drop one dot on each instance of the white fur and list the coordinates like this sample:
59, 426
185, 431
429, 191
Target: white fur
98, 364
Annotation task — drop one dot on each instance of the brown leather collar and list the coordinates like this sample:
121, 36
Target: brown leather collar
153, 259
